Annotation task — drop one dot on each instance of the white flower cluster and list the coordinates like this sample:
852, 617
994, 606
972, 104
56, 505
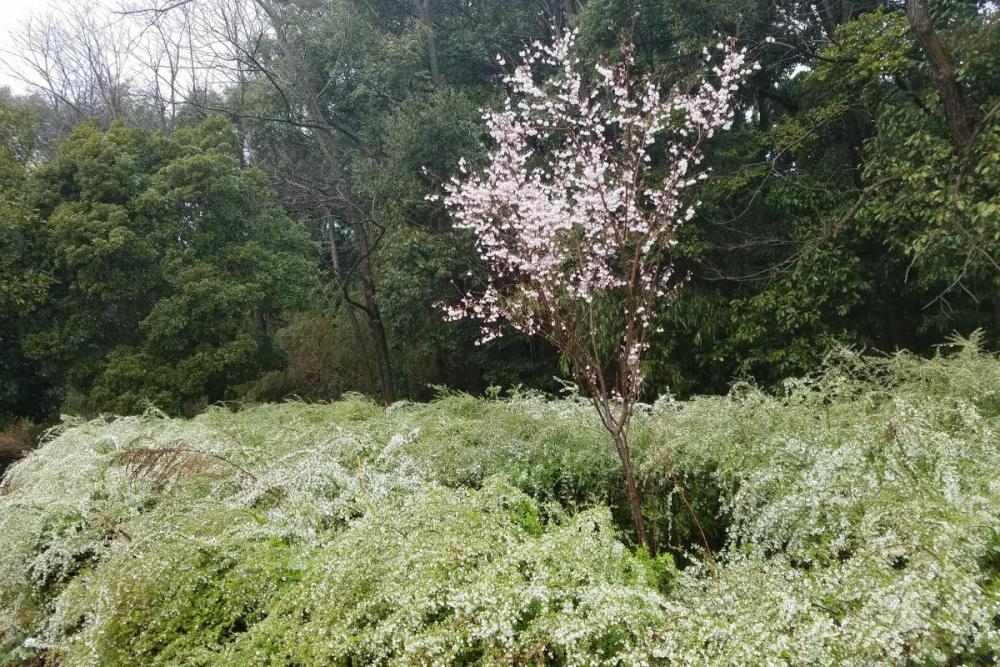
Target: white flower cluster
861, 512
864, 518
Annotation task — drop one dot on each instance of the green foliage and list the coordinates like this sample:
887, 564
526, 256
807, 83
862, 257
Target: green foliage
193, 594
858, 517
322, 361
838, 211
24, 390
862, 515
475, 581
166, 263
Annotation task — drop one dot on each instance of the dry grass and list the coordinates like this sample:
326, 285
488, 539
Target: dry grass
16, 440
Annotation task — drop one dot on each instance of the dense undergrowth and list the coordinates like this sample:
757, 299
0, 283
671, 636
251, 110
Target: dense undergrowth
856, 519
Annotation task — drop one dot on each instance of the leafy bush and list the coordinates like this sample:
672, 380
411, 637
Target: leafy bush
164, 267
863, 513
323, 361
462, 577
856, 516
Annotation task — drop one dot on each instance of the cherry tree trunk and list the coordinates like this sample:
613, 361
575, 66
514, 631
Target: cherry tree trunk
621, 445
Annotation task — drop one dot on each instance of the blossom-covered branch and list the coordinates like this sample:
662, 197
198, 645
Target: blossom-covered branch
577, 209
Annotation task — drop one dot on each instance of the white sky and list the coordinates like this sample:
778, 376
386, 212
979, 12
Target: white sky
12, 14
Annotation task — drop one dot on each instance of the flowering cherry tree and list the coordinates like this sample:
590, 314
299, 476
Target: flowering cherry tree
575, 214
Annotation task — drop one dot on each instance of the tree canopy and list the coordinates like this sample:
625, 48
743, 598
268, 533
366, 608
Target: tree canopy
853, 202
163, 268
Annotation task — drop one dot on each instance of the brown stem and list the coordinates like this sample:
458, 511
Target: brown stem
366, 273
621, 445
694, 517
359, 336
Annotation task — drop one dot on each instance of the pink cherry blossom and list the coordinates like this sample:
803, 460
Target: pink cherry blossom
577, 209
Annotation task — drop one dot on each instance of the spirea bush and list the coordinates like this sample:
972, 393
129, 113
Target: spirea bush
855, 516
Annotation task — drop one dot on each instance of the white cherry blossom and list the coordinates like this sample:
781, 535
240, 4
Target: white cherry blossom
578, 206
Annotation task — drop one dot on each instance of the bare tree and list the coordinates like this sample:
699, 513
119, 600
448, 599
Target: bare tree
87, 62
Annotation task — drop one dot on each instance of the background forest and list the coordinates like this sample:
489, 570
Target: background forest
222, 200
217, 215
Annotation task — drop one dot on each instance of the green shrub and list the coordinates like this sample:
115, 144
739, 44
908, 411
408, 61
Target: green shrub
862, 510
322, 361
856, 521
463, 577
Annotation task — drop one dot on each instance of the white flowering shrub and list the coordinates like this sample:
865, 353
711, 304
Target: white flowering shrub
552, 450
863, 513
856, 515
460, 577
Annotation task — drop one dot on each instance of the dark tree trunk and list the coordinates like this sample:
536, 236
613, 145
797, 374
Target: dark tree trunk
352, 211
857, 129
367, 274
621, 445
569, 8
359, 336
427, 16
952, 101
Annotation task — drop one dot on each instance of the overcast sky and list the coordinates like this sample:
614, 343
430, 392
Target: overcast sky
12, 14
